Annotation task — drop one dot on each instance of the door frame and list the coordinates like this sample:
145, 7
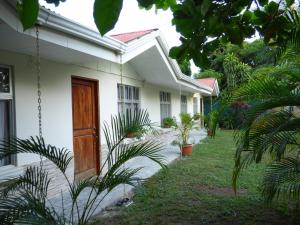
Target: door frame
97, 118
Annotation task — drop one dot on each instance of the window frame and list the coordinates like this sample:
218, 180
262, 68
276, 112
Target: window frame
133, 91
183, 104
166, 102
9, 97
195, 105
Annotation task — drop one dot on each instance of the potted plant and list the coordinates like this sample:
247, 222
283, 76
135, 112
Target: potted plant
197, 116
133, 128
169, 122
184, 127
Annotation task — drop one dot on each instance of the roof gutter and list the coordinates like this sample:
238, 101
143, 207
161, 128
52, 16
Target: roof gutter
176, 68
52, 20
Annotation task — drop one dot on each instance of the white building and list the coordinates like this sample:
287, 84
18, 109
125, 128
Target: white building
81, 75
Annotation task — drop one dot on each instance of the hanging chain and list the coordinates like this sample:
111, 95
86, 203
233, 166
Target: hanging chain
38, 76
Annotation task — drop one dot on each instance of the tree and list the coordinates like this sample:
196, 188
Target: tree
185, 67
203, 24
208, 73
272, 128
236, 72
254, 54
25, 199
272, 123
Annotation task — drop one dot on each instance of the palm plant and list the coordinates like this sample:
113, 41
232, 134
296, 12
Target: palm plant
24, 200
272, 123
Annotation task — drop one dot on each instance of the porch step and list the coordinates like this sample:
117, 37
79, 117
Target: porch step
10, 171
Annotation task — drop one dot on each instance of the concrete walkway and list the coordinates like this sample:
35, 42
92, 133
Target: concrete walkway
170, 152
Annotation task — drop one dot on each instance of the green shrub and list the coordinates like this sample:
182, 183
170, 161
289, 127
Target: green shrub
169, 122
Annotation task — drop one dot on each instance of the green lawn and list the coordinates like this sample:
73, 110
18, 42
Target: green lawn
197, 190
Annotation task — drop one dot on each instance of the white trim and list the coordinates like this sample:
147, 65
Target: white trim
51, 20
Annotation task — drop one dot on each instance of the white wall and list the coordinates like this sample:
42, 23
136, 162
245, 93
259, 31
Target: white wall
57, 99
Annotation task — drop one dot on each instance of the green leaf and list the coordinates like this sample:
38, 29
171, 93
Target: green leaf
263, 2
106, 14
205, 6
272, 8
28, 11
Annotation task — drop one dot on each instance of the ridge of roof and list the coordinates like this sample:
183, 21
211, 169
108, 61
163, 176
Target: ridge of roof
130, 36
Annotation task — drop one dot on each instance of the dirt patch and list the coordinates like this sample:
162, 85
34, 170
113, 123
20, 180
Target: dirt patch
221, 191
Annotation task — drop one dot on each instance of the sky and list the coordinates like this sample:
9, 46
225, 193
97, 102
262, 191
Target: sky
132, 18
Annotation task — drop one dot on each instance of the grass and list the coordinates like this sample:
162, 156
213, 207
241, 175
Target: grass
198, 190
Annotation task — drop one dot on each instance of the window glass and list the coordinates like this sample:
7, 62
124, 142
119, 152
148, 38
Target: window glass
195, 105
183, 104
4, 80
165, 105
5, 108
131, 102
4, 128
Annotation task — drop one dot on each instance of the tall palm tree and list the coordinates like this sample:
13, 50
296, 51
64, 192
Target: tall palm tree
25, 199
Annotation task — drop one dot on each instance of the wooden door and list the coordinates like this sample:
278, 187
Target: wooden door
85, 127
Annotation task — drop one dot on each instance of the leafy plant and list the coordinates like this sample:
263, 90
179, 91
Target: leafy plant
271, 126
184, 128
197, 116
235, 71
185, 67
25, 199
169, 122
137, 122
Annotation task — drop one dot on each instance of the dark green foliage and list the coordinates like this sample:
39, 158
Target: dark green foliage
185, 67
55, 2
24, 200
235, 71
272, 123
106, 14
28, 12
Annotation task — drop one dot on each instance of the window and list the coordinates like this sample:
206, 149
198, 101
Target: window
5, 107
195, 105
165, 105
183, 104
129, 98
201, 105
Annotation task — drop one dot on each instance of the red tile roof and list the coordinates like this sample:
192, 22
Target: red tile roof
210, 82
127, 37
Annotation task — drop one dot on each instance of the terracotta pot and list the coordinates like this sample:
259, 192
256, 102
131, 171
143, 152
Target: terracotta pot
167, 126
130, 135
187, 150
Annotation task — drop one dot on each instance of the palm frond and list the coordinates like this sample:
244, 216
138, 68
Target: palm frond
150, 149
292, 35
59, 156
27, 209
35, 180
120, 126
282, 179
